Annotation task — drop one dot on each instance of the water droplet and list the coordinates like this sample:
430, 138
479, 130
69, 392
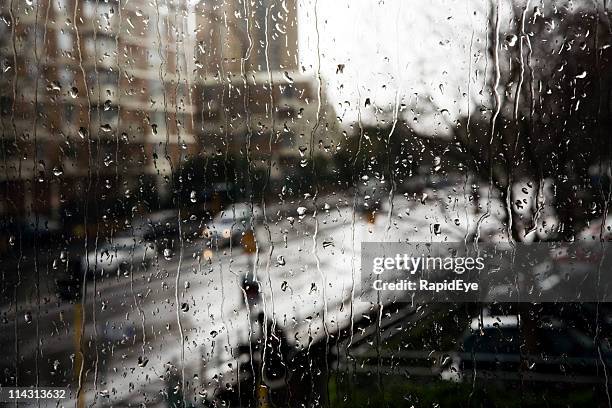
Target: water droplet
168, 254
214, 333
185, 307
57, 171
424, 198
74, 92
301, 211
287, 77
54, 86
82, 132
511, 40
28, 317
436, 163
280, 260
142, 361
106, 128
192, 196
107, 104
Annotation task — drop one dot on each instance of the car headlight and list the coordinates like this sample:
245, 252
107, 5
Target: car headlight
208, 254
227, 233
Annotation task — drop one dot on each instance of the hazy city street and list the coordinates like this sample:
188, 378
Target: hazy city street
131, 320
297, 203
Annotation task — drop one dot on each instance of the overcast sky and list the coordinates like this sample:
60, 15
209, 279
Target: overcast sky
415, 48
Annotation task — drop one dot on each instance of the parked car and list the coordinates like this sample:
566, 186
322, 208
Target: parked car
162, 228
154, 225
596, 228
231, 224
495, 349
121, 254
28, 231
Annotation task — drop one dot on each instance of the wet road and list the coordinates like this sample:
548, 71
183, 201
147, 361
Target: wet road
188, 313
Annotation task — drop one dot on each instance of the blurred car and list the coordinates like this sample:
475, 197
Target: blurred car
494, 348
231, 224
155, 225
28, 231
595, 229
162, 228
119, 255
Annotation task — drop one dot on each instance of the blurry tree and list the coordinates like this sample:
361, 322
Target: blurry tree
549, 117
380, 152
549, 80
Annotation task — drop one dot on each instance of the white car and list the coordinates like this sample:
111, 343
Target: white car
120, 254
598, 227
231, 224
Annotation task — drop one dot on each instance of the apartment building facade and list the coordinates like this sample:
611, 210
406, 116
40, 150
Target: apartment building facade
251, 96
94, 104
102, 102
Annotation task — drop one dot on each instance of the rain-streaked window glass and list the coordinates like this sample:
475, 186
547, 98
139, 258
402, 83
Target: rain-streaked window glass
303, 203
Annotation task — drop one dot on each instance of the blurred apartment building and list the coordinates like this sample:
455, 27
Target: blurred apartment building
93, 104
104, 100
250, 93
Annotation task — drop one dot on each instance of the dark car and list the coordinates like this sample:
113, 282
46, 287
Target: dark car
495, 348
28, 231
